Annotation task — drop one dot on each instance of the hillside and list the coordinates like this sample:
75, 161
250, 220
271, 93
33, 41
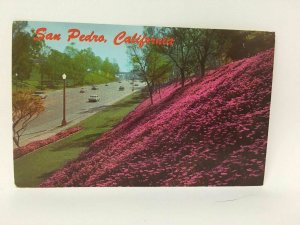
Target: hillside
212, 132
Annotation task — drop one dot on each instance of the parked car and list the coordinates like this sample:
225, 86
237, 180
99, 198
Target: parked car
119, 81
136, 85
94, 87
94, 98
106, 84
121, 88
82, 90
40, 94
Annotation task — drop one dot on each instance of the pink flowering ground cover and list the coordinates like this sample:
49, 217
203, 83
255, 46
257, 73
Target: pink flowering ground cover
18, 152
212, 132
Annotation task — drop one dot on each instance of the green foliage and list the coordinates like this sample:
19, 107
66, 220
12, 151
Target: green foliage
24, 50
109, 68
159, 67
33, 60
196, 50
241, 44
193, 52
153, 67
98, 78
81, 67
180, 53
35, 73
54, 66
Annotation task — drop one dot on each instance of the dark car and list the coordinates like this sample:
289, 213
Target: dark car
95, 88
106, 84
121, 88
82, 90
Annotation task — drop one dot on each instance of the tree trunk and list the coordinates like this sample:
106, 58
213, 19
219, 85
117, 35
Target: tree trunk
150, 91
159, 87
177, 79
202, 68
182, 78
151, 95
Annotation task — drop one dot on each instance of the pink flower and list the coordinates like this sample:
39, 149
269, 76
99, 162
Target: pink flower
213, 133
18, 152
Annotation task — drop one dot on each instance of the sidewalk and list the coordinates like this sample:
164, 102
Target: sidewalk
48, 133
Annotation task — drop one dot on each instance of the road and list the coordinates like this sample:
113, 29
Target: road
77, 107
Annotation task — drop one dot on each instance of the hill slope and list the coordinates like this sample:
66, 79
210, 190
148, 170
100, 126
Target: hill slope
212, 132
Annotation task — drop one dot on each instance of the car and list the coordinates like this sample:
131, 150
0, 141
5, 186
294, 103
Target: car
94, 98
121, 88
136, 85
95, 88
119, 81
40, 94
82, 90
106, 84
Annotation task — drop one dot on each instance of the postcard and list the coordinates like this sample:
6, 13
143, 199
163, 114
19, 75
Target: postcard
99, 105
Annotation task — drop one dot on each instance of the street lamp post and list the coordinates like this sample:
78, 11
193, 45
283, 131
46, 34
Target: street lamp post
64, 122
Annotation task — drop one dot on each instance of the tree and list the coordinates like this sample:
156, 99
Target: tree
81, 66
55, 65
181, 51
24, 50
240, 44
150, 65
257, 41
25, 109
204, 46
109, 68
85, 63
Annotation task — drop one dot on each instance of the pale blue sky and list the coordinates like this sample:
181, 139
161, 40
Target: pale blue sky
108, 49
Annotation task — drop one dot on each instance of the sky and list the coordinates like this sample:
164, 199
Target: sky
108, 49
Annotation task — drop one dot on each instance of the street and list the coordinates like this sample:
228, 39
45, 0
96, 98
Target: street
77, 106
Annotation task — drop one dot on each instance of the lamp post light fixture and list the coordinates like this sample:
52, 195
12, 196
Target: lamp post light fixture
64, 122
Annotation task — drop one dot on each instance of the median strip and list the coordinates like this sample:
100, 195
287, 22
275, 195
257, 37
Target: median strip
35, 145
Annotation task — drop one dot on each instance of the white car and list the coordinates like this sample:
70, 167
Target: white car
40, 94
94, 98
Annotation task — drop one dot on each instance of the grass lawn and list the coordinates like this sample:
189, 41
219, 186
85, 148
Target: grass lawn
33, 168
